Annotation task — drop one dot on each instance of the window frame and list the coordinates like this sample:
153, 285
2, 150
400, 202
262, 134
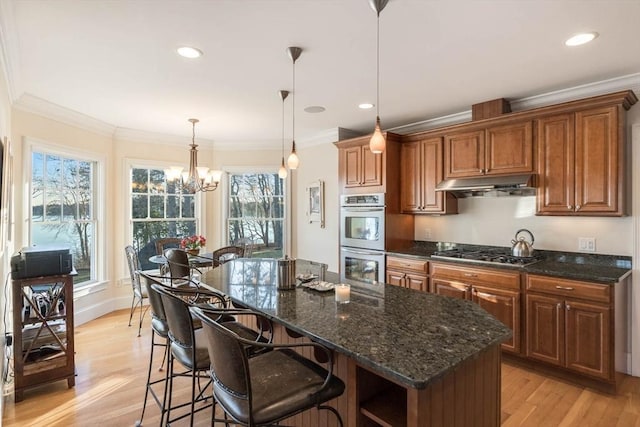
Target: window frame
98, 259
199, 208
224, 217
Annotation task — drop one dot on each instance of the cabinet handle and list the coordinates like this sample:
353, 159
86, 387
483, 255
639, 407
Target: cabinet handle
559, 305
481, 170
578, 207
470, 275
564, 288
570, 207
568, 307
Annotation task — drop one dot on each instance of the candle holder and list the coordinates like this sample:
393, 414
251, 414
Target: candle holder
343, 293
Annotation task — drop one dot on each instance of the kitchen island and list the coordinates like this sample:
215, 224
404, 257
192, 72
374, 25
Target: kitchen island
407, 358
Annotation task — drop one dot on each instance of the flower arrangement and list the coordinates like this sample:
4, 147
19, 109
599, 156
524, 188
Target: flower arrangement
194, 242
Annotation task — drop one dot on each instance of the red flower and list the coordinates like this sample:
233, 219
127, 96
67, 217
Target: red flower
193, 242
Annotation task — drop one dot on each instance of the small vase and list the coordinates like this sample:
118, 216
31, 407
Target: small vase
193, 251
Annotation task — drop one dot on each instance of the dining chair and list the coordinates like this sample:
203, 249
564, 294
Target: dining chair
165, 243
225, 254
179, 267
263, 389
139, 294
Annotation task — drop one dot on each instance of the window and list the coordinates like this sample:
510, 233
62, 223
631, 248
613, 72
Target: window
158, 210
257, 212
63, 200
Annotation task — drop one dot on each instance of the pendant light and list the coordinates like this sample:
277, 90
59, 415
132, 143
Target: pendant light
293, 161
282, 172
377, 143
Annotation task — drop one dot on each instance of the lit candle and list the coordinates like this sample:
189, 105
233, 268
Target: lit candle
343, 293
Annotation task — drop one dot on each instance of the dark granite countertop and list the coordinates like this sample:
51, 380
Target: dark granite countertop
604, 269
413, 337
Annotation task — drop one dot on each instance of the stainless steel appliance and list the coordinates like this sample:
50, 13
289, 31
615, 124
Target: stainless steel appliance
362, 237
521, 247
487, 256
362, 221
362, 265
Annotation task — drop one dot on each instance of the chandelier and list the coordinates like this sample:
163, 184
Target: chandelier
198, 178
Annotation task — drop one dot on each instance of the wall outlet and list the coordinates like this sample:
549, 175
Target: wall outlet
587, 244
427, 233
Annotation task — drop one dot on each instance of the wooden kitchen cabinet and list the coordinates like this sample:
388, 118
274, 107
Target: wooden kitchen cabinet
421, 171
407, 273
362, 172
580, 163
496, 150
362, 168
569, 324
497, 291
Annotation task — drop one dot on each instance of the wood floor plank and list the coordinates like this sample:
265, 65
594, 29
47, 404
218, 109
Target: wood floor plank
111, 367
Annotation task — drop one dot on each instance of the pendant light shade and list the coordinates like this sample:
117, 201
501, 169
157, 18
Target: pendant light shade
377, 144
293, 161
282, 172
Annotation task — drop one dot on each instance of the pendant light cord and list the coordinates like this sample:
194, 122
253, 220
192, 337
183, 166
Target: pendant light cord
378, 65
293, 102
283, 129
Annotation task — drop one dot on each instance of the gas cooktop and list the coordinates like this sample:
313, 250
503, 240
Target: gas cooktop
488, 256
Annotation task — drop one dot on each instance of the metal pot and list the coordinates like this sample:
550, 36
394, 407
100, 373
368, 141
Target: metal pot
521, 247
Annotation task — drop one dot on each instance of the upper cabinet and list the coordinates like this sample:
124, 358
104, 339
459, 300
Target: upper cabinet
362, 168
580, 163
420, 172
496, 150
360, 171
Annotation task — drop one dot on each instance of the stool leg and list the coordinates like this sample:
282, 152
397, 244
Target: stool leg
146, 390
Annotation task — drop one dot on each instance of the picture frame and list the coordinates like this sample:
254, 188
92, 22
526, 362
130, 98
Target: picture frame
315, 202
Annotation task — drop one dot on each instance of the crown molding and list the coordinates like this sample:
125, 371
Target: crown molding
627, 82
134, 135
42, 107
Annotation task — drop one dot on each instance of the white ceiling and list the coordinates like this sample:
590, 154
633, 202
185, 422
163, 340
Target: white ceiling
115, 60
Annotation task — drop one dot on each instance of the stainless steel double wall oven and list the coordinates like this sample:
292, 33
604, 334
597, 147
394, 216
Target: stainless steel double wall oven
362, 237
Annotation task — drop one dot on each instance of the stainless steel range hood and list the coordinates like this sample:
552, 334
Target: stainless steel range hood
510, 185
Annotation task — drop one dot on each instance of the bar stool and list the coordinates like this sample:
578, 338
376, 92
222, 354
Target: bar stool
268, 387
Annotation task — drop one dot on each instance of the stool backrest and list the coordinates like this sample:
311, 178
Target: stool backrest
178, 261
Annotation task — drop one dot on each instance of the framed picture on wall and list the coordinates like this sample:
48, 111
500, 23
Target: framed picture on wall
315, 202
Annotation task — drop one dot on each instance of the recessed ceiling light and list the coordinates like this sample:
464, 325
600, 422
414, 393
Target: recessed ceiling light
314, 109
189, 52
365, 106
581, 38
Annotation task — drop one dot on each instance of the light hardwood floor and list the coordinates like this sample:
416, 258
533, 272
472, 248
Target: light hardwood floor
111, 363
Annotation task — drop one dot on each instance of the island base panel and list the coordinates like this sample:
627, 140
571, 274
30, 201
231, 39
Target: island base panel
467, 396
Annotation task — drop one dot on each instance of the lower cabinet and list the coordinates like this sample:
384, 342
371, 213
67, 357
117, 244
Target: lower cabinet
497, 291
569, 324
407, 273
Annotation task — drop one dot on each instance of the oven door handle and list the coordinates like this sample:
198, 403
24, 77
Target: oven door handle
352, 209
353, 251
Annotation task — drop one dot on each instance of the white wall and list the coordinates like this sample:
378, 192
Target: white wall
313, 242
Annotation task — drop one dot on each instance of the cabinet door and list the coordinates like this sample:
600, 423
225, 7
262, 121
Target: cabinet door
450, 289
410, 177
432, 174
545, 329
588, 339
464, 154
505, 306
597, 161
509, 149
416, 281
371, 167
395, 278
556, 195
352, 166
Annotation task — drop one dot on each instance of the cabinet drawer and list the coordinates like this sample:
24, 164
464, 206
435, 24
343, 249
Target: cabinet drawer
407, 264
570, 288
473, 275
